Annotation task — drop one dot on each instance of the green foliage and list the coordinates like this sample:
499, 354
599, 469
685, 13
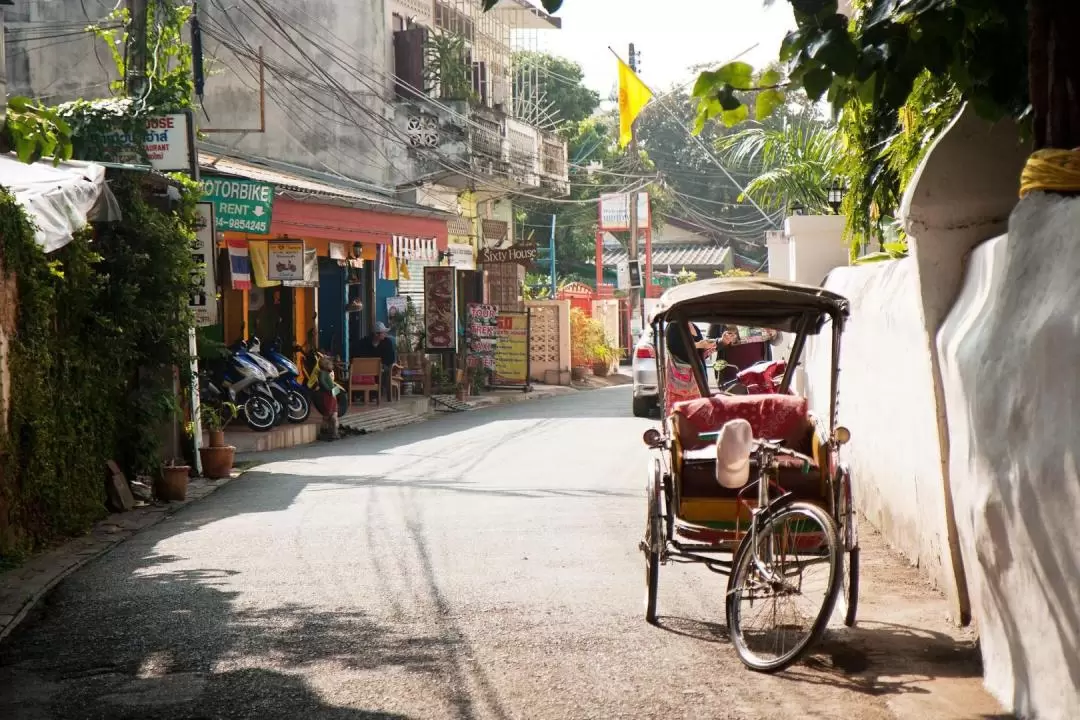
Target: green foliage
685, 276
99, 326
446, 67
791, 164
588, 341
36, 131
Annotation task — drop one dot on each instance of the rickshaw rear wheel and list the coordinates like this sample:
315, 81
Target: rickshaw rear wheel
845, 514
769, 572
653, 538
851, 588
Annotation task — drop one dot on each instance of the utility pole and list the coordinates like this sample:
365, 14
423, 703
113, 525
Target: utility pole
551, 258
633, 202
137, 47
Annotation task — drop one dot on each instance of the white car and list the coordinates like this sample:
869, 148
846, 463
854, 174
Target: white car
643, 370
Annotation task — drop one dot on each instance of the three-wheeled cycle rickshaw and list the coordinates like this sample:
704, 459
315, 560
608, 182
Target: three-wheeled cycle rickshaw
778, 521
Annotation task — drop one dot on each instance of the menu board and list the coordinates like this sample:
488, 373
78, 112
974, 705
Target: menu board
512, 349
440, 309
482, 334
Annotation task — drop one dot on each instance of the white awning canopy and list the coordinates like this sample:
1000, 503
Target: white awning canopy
59, 200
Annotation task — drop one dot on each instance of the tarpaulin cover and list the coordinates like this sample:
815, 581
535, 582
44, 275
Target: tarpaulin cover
59, 200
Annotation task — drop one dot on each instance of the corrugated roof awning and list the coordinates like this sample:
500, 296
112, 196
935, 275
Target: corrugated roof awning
306, 189
677, 255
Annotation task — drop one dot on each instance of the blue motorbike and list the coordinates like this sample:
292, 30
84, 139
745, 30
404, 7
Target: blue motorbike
296, 400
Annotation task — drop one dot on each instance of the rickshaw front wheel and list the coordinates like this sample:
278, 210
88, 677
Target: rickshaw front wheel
783, 586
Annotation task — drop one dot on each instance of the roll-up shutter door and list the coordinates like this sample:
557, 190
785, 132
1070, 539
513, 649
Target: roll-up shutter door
414, 287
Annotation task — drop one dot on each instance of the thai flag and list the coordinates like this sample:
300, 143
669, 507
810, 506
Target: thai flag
239, 264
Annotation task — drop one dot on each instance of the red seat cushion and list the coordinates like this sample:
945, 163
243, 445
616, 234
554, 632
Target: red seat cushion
365, 380
771, 417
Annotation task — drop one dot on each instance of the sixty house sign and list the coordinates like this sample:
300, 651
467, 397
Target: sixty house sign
519, 254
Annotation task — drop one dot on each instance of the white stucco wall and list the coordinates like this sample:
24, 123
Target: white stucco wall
816, 246
1008, 356
886, 399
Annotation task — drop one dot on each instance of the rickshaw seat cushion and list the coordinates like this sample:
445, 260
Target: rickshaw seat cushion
772, 417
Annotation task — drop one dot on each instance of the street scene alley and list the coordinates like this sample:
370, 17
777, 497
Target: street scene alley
483, 565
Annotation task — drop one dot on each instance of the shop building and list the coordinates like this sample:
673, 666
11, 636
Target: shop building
318, 262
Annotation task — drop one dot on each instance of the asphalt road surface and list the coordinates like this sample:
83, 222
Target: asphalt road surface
483, 565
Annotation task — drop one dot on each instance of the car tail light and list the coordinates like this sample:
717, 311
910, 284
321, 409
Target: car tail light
644, 353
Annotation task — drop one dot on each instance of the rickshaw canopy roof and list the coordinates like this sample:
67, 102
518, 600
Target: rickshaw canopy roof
751, 302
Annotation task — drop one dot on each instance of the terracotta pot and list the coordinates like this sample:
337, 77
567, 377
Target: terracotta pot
217, 438
601, 369
462, 394
579, 372
172, 485
217, 461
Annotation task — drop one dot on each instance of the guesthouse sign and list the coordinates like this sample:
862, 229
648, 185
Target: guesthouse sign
515, 254
168, 144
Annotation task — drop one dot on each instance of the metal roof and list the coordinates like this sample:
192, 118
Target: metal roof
306, 189
677, 255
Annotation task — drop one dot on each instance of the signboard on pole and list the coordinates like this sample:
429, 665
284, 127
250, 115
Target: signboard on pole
512, 350
615, 211
168, 144
482, 335
634, 272
241, 205
285, 260
622, 274
440, 309
204, 303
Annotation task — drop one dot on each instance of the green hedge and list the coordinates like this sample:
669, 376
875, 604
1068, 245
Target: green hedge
99, 324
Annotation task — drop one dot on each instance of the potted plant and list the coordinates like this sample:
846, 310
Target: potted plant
172, 484
217, 459
603, 357
461, 391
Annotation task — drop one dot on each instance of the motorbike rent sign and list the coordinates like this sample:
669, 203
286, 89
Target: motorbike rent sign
241, 205
286, 260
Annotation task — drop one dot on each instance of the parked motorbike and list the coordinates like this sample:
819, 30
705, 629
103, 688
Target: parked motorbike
242, 382
278, 394
297, 404
761, 378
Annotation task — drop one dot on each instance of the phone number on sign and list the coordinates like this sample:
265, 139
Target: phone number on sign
240, 224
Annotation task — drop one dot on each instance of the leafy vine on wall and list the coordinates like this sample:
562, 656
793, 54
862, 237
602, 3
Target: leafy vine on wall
100, 324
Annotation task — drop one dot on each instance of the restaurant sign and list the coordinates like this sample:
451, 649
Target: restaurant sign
516, 254
241, 205
512, 350
168, 144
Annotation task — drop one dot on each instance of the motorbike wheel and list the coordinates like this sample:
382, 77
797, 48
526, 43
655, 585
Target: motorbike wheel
280, 405
259, 414
342, 404
297, 406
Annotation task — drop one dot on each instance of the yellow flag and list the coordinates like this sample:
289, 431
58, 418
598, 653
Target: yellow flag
633, 96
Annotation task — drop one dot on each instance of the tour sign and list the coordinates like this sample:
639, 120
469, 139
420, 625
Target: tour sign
240, 205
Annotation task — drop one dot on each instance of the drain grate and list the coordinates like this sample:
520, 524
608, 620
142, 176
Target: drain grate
449, 403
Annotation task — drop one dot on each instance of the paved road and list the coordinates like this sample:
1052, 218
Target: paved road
476, 566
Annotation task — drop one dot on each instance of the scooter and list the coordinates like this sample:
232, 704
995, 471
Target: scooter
243, 383
297, 404
279, 395
761, 378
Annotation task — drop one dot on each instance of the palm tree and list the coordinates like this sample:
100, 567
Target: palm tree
792, 164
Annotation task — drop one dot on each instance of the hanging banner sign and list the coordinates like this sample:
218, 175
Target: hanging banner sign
512, 349
168, 143
615, 211
285, 260
515, 254
204, 304
482, 334
461, 256
440, 308
241, 205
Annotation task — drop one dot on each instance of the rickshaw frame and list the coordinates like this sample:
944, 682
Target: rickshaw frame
755, 302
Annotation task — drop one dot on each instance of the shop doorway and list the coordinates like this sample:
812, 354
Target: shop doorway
271, 315
331, 318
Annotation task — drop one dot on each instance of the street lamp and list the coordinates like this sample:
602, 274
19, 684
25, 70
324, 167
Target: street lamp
797, 209
836, 195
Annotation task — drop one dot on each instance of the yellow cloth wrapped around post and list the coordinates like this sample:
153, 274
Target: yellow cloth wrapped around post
1051, 171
